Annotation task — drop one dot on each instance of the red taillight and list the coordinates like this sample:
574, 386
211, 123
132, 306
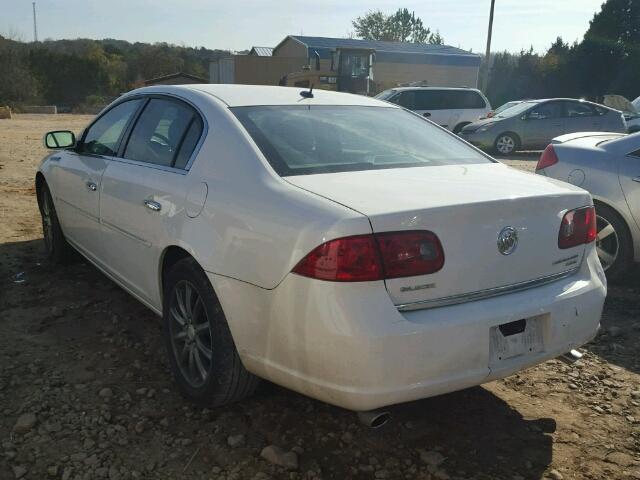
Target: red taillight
547, 158
374, 257
407, 254
578, 227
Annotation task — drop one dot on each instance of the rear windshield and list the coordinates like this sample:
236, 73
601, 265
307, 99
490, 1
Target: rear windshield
303, 140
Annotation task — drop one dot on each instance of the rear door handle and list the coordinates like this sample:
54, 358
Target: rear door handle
426, 114
152, 205
92, 186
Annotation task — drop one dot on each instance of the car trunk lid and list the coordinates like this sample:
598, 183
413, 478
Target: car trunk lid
467, 207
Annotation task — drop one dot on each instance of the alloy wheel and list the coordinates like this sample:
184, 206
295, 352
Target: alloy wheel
607, 243
505, 144
190, 332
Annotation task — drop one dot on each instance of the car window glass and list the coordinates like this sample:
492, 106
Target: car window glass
405, 99
304, 140
189, 142
159, 132
576, 109
430, 100
546, 111
635, 154
103, 136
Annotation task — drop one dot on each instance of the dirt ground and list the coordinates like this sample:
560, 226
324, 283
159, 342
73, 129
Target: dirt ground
85, 391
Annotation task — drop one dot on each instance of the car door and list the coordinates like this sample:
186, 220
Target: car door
78, 173
629, 173
581, 117
543, 123
144, 193
432, 104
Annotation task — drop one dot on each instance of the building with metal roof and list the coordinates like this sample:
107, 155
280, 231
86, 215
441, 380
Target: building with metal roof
389, 64
261, 51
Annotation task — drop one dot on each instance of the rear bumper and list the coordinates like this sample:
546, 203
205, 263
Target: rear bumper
348, 345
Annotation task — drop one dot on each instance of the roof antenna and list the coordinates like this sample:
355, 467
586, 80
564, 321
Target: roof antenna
307, 94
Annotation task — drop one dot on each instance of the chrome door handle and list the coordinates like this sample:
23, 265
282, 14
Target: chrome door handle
637, 179
151, 205
92, 186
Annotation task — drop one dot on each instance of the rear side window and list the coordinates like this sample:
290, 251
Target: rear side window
103, 137
448, 100
546, 111
165, 134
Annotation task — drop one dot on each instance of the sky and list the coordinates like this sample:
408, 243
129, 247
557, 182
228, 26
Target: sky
240, 24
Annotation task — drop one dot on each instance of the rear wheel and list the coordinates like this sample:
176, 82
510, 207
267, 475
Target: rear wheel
505, 144
56, 246
613, 242
202, 354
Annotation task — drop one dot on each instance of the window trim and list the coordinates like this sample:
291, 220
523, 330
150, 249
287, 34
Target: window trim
145, 97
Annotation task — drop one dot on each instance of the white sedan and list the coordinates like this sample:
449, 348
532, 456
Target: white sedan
334, 244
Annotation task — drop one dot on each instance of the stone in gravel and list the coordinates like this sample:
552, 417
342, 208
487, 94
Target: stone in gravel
432, 458
277, 456
347, 437
52, 471
614, 331
555, 475
141, 391
635, 394
114, 474
66, 474
19, 471
25, 423
106, 393
235, 440
620, 458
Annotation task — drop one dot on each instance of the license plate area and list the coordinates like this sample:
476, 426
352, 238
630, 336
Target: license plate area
516, 339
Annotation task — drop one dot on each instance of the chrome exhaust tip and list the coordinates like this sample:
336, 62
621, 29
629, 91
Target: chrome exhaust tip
374, 418
570, 357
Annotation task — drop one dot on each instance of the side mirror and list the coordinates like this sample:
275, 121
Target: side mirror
59, 139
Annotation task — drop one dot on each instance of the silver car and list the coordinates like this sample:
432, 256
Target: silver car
532, 124
608, 166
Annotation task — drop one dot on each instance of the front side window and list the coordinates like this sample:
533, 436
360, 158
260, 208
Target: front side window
165, 134
103, 137
304, 140
546, 111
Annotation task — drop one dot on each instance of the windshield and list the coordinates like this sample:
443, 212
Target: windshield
303, 140
505, 107
385, 95
516, 109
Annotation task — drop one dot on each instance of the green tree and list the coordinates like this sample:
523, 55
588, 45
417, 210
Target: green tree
402, 26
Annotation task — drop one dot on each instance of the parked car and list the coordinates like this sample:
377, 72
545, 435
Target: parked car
628, 109
608, 166
503, 107
451, 108
533, 123
334, 244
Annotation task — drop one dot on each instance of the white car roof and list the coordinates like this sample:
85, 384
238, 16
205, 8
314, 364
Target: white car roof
457, 89
253, 95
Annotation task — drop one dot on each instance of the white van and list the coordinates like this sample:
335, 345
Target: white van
452, 108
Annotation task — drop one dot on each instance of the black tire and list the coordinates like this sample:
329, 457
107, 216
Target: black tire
620, 240
58, 250
503, 140
226, 379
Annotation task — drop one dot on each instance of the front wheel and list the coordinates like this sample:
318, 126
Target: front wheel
506, 144
202, 354
56, 246
613, 242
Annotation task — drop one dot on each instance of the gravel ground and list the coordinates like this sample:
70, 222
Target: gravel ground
85, 391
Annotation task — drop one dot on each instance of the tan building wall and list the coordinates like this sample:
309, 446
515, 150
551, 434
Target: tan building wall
252, 70
388, 75
290, 48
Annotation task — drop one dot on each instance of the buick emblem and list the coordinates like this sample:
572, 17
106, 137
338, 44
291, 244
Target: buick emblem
507, 240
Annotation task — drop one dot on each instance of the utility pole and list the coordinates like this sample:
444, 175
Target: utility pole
487, 52
35, 23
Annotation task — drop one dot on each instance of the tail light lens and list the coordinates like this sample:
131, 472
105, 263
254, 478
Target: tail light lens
363, 258
547, 158
578, 227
